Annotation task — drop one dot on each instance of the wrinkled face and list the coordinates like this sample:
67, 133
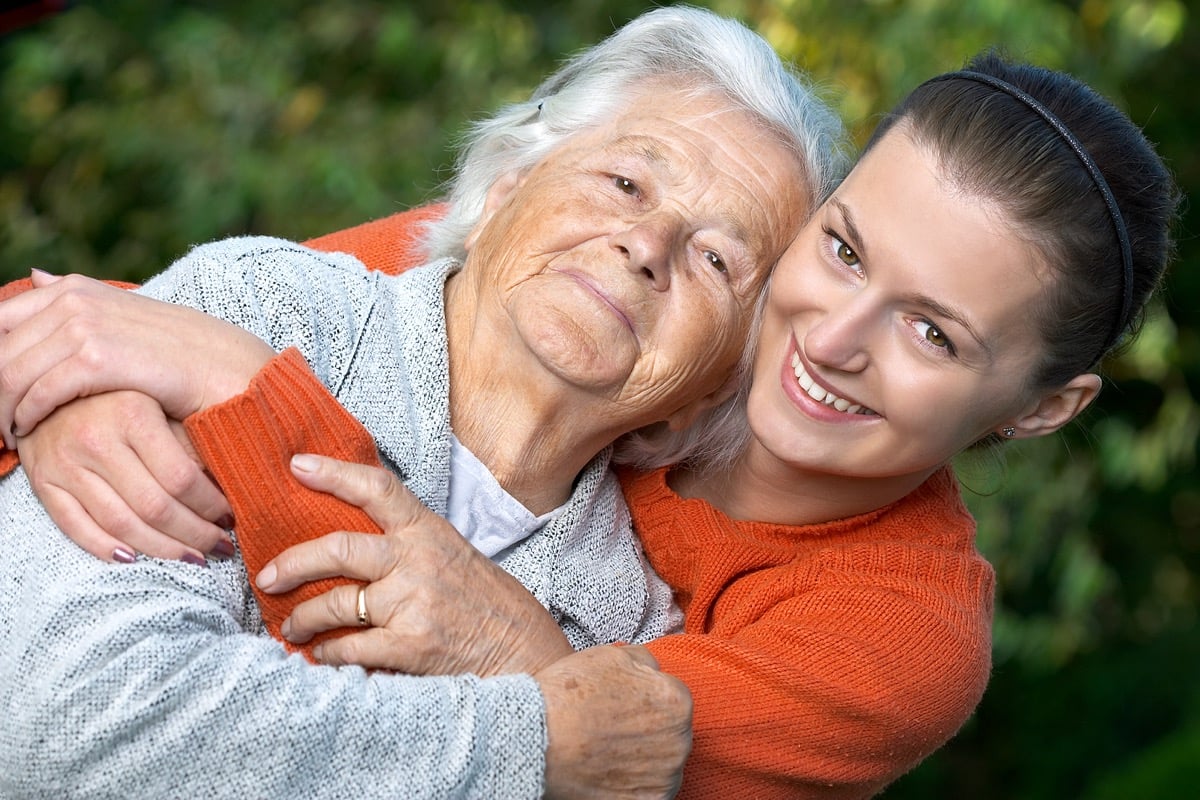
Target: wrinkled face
897, 327
629, 260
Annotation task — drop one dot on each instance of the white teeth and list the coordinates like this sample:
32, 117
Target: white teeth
814, 391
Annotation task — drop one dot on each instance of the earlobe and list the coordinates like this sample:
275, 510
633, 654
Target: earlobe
1059, 407
497, 196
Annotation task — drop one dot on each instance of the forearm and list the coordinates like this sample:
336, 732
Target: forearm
147, 679
247, 443
821, 698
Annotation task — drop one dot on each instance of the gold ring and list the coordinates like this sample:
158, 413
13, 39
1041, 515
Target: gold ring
364, 619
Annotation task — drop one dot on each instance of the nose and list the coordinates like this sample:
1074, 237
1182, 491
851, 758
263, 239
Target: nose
839, 339
646, 246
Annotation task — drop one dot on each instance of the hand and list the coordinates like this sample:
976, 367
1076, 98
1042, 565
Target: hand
438, 606
72, 337
118, 477
618, 727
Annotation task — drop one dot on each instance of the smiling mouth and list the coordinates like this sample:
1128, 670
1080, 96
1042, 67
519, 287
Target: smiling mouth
813, 390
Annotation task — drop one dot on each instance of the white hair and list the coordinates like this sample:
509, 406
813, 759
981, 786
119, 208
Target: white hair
694, 48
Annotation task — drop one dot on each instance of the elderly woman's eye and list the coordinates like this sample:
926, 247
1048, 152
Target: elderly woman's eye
717, 262
625, 185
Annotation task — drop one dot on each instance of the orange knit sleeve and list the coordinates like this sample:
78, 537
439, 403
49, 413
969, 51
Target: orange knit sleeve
833, 694
247, 443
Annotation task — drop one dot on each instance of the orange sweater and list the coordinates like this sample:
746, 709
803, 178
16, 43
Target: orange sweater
824, 661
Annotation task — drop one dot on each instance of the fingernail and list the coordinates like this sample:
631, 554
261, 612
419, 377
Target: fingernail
192, 558
124, 556
318, 653
36, 271
225, 522
286, 629
266, 577
222, 549
302, 462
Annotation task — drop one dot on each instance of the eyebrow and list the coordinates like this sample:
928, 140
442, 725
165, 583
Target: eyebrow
647, 147
938, 309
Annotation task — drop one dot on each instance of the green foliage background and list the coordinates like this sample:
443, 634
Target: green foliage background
132, 129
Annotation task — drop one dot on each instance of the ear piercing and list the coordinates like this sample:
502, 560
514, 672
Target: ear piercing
1009, 432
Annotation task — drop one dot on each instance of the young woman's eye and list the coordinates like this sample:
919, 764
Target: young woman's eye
717, 262
932, 334
844, 252
625, 185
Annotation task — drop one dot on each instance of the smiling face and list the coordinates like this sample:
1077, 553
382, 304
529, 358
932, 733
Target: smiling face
897, 330
626, 264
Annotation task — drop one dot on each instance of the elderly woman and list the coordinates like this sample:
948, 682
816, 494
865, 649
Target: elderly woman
615, 235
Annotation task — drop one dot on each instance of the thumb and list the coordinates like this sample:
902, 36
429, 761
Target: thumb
42, 278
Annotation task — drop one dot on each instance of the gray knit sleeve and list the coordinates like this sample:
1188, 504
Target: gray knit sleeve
151, 680
284, 293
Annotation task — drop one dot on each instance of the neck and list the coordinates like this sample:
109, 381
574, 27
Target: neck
531, 432
760, 487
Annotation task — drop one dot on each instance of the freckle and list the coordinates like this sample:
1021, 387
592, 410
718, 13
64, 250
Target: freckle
572, 684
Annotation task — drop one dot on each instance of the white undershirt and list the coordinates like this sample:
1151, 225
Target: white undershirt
488, 517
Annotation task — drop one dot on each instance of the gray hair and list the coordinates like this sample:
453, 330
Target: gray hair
698, 49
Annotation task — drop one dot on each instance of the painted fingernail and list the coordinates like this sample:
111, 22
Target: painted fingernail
124, 556
192, 558
225, 522
222, 549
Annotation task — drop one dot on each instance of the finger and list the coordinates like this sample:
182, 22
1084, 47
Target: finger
376, 491
336, 608
89, 459
41, 278
194, 497
80, 528
51, 374
373, 648
361, 556
21, 307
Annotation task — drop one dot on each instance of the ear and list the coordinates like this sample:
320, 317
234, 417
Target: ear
688, 414
497, 195
1058, 408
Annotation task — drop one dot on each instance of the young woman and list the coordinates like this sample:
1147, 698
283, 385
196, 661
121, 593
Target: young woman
1000, 235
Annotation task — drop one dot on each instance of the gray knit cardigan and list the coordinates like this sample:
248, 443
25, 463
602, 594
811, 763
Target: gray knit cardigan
155, 679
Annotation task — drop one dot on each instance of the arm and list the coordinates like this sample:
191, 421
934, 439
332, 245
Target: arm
832, 694
146, 679
141, 502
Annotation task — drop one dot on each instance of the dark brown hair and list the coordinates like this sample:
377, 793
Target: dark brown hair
994, 146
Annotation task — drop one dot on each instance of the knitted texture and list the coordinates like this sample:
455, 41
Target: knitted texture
824, 660
153, 679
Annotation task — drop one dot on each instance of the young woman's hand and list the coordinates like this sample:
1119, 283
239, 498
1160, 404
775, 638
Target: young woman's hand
437, 606
73, 337
119, 478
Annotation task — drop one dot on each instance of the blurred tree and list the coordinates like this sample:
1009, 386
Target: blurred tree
133, 129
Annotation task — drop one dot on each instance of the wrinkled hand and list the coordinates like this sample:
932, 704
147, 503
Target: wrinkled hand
437, 605
73, 336
118, 478
617, 726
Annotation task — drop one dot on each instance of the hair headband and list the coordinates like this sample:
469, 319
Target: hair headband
1097, 178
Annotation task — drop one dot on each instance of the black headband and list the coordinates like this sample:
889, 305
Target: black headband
1097, 178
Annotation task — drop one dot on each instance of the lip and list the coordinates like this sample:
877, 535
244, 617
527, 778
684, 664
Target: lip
589, 284
807, 405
